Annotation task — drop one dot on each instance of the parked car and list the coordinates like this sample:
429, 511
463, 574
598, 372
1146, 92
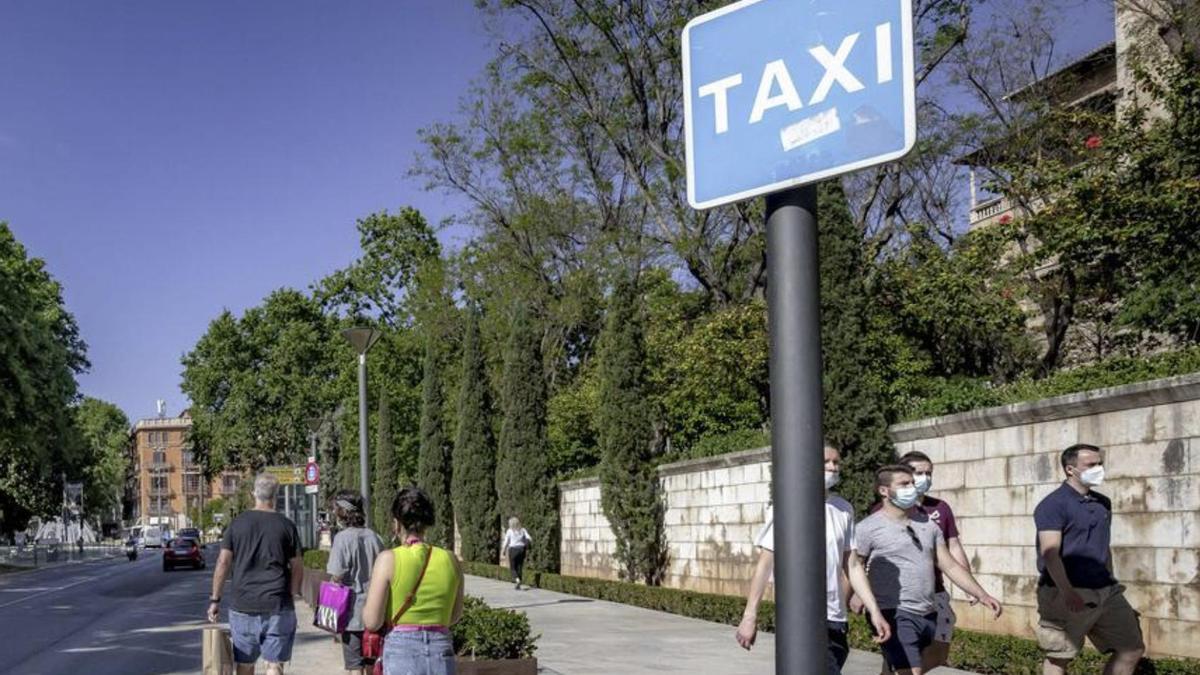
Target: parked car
182, 552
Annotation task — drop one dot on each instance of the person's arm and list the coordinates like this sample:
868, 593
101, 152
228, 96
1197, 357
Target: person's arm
857, 575
963, 578
747, 630
297, 575
1050, 546
375, 608
458, 599
504, 545
224, 562
336, 567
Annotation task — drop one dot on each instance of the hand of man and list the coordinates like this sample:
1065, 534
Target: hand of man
992, 604
883, 630
747, 631
214, 612
856, 604
1073, 601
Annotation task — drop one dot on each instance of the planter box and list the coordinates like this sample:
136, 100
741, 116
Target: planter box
467, 666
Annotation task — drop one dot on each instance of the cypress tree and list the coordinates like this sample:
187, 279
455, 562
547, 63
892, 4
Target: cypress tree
473, 484
386, 481
525, 486
435, 457
854, 406
629, 489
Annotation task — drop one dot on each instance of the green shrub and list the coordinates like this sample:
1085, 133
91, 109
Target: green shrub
316, 559
489, 633
722, 444
946, 397
978, 652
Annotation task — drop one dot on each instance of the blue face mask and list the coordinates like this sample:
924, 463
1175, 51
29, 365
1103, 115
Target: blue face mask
905, 497
923, 482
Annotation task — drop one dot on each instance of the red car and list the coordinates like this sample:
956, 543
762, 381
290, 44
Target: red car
183, 553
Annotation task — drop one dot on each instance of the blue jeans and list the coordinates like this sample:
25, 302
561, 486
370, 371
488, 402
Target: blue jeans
419, 652
269, 635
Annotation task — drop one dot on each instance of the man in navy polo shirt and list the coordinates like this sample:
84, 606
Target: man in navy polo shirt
1078, 595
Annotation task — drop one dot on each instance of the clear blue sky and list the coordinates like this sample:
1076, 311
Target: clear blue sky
169, 158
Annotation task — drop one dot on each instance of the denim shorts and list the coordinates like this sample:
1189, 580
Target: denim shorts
269, 635
420, 652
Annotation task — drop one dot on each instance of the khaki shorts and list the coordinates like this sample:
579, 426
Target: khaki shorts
1108, 621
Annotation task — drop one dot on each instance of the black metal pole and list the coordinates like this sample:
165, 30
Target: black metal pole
793, 297
363, 451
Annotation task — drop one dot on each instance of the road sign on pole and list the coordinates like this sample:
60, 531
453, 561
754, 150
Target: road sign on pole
780, 93
312, 476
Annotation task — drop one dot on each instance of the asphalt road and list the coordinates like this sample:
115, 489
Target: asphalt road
111, 616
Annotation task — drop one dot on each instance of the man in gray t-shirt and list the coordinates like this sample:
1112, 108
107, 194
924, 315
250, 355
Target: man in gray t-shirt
902, 547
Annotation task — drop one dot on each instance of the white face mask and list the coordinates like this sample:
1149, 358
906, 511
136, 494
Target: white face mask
832, 478
1093, 477
923, 482
905, 497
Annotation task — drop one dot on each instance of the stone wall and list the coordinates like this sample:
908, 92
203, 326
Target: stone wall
995, 465
715, 508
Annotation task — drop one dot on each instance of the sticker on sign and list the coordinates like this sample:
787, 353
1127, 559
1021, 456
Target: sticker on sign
779, 93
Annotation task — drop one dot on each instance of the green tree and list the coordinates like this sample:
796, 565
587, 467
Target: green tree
854, 406
630, 493
473, 487
41, 352
255, 380
436, 456
105, 432
525, 484
387, 476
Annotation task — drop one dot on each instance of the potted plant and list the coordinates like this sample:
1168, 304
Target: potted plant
490, 641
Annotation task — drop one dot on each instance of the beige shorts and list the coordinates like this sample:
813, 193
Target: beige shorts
1108, 621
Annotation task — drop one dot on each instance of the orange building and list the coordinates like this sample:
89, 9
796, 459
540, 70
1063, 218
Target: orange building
167, 485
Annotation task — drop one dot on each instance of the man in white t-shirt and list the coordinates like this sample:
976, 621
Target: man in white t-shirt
842, 564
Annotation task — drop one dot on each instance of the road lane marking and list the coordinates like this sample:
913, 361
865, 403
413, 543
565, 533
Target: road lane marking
48, 590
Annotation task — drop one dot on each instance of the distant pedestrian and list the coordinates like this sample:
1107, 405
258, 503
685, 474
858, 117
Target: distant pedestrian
1078, 596
842, 564
515, 546
902, 547
262, 548
418, 589
350, 561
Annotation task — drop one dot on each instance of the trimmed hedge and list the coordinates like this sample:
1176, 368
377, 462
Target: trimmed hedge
316, 559
960, 395
979, 652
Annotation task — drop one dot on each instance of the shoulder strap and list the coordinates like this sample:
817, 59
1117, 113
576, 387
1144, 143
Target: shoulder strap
413, 594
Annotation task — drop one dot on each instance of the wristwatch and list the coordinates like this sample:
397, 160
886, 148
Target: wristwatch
214, 601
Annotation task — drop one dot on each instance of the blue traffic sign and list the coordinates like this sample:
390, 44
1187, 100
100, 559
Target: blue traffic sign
779, 93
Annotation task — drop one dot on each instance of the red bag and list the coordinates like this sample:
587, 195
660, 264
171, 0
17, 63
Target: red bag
372, 641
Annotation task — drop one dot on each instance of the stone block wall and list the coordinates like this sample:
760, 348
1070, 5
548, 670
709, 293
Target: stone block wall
993, 466
715, 509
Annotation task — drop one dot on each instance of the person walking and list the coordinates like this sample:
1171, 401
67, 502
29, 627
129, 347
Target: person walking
262, 548
902, 548
1077, 595
515, 545
350, 561
417, 587
841, 564
940, 513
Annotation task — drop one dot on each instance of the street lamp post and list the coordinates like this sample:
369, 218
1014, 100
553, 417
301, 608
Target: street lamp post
362, 339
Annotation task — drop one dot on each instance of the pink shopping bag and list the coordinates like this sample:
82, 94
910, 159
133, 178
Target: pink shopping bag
334, 606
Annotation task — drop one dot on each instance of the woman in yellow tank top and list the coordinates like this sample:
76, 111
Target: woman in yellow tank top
418, 588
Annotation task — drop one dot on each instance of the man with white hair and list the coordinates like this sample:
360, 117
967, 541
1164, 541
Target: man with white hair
263, 549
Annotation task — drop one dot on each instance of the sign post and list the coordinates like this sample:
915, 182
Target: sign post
780, 94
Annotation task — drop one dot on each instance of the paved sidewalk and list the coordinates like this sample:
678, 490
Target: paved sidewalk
581, 636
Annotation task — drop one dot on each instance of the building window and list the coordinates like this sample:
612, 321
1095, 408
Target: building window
160, 457
189, 458
229, 483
